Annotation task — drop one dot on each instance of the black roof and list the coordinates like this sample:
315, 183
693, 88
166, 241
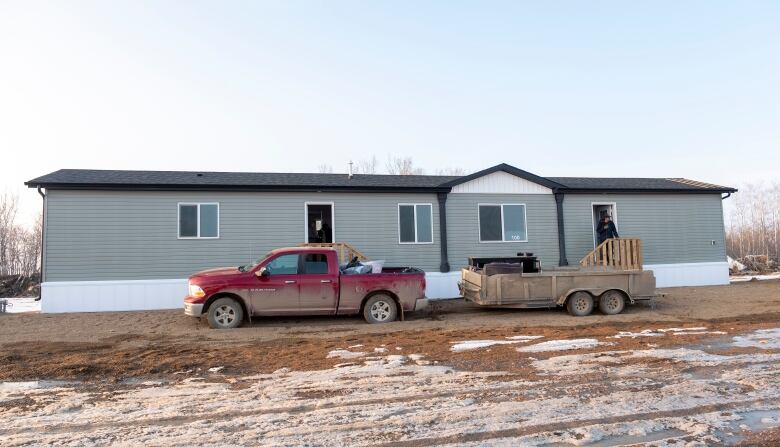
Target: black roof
277, 181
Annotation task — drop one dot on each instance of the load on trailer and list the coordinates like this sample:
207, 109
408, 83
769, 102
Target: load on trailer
610, 277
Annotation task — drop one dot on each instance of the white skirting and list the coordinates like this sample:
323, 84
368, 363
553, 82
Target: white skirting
691, 274
101, 296
442, 285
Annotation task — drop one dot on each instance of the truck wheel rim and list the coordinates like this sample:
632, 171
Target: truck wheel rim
613, 303
224, 315
380, 310
581, 304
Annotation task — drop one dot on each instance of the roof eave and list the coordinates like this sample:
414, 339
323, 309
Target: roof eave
234, 188
645, 191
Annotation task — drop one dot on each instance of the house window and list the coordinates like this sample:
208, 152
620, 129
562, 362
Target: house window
198, 220
502, 223
415, 223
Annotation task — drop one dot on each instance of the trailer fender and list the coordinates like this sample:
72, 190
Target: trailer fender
596, 292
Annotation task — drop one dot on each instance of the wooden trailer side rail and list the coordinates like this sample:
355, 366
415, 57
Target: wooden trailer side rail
615, 254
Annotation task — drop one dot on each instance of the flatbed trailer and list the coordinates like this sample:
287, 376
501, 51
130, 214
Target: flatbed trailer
609, 282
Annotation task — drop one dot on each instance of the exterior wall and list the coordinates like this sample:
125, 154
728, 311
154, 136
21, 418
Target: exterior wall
500, 183
113, 235
674, 228
463, 228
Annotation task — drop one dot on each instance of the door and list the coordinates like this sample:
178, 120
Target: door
599, 211
278, 292
318, 284
320, 223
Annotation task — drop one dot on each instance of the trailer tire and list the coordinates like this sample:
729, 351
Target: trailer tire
612, 302
380, 308
580, 304
225, 313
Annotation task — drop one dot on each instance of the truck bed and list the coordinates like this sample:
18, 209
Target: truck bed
406, 283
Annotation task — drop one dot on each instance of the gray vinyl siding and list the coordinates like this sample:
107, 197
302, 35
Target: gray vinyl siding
674, 228
114, 235
463, 228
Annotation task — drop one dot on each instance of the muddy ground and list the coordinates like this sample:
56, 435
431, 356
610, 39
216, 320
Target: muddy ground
700, 368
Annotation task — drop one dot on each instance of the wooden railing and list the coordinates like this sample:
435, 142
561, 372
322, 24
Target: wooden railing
346, 252
615, 254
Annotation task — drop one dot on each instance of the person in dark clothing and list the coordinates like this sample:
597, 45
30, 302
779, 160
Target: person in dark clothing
606, 229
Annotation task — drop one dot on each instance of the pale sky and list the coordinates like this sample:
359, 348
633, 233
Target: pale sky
645, 89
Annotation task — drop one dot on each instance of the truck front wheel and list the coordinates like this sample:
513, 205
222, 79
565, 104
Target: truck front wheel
225, 313
380, 309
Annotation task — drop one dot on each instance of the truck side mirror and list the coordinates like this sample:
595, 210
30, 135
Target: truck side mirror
262, 273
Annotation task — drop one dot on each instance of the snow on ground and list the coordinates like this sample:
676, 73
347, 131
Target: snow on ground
769, 276
762, 338
468, 345
345, 354
18, 305
563, 345
679, 396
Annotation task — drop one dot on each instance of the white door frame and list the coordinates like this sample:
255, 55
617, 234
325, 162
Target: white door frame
593, 218
332, 219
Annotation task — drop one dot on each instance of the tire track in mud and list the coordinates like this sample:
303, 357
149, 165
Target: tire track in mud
568, 425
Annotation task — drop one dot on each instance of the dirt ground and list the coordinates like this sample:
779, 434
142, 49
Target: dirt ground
701, 367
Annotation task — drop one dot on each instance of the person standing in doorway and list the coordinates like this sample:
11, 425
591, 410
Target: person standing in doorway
606, 229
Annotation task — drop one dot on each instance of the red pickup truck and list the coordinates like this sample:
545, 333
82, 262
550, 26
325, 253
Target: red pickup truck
302, 281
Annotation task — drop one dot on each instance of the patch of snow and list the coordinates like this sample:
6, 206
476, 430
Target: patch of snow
19, 305
762, 338
380, 350
682, 329
700, 333
468, 345
216, 369
354, 346
644, 333
345, 354
563, 345
770, 276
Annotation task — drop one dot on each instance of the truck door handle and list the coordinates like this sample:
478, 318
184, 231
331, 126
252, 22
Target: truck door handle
325, 281
289, 281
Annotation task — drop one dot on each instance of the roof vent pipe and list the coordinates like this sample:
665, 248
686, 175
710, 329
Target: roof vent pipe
350, 169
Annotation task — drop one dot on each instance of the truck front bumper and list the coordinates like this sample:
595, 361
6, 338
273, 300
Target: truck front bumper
421, 304
192, 309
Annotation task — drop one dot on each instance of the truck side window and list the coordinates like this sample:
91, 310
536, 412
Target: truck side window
315, 264
283, 265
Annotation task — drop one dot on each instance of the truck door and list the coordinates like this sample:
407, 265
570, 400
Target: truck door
277, 293
319, 284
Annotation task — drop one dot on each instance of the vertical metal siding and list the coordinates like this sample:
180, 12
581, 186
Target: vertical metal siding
674, 228
110, 235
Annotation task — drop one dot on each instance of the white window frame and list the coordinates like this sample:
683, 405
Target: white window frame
198, 204
503, 233
306, 219
414, 207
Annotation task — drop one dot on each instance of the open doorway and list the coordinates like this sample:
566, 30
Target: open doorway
599, 210
319, 222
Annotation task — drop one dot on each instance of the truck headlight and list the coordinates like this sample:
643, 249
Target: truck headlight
196, 291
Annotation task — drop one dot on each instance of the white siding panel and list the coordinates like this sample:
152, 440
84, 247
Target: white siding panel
690, 274
500, 183
103, 296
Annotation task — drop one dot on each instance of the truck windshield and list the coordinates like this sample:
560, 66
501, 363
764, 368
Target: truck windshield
246, 268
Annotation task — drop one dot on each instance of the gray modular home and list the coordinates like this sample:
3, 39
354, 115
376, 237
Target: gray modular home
120, 240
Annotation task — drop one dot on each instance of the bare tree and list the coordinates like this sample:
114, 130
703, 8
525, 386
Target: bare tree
754, 222
369, 166
20, 247
402, 166
451, 171
8, 206
325, 169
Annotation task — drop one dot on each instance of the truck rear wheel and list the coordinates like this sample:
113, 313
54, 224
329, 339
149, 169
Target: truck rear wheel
225, 313
580, 304
612, 302
380, 309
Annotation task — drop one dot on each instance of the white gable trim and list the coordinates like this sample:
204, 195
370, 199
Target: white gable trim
500, 182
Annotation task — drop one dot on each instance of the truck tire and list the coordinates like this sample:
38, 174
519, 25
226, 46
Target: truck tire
380, 309
580, 304
612, 302
225, 313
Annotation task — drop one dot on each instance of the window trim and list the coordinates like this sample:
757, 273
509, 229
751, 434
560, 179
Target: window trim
197, 218
503, 229
306, 220
414, 207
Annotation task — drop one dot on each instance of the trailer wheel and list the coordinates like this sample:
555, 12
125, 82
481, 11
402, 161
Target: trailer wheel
225, 313
380, 309
612, 302
580, 304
